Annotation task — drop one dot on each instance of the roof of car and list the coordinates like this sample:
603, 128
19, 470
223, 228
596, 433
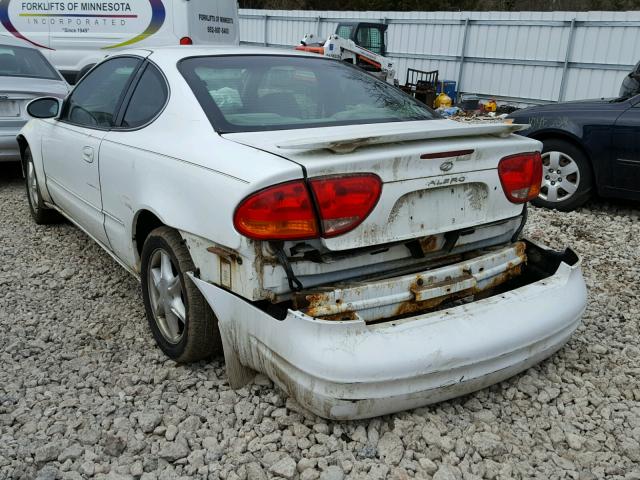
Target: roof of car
184, 51
13, 42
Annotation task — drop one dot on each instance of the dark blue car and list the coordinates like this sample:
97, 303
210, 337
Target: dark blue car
590, 147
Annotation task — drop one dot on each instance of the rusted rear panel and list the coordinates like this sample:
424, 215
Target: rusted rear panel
393, 297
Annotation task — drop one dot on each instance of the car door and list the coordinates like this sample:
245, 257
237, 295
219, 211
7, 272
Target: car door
71, 144
121, 159
626, 142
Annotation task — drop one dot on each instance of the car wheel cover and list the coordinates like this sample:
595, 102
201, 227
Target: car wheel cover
166, 296
32, 183
560, 177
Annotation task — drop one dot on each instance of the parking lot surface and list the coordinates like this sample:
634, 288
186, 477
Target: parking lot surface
85, 393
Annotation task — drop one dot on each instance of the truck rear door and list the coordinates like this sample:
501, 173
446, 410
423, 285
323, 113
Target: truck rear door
213, 22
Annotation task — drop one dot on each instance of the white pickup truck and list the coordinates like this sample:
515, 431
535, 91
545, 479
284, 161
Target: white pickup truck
332, 232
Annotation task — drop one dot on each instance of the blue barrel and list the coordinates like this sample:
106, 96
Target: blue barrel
449, 87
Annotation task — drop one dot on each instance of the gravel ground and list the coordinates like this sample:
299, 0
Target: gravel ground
84, 393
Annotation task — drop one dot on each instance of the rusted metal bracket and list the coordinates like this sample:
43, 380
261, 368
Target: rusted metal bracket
458, 285
226, 253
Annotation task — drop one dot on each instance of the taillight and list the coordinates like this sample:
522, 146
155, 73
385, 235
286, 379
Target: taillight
186, 41
281, 212
521, 176
287, 212
344, 202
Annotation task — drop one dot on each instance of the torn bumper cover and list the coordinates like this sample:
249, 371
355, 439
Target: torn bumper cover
351, 369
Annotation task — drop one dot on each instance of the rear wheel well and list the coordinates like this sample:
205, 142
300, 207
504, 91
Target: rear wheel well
146, 222
22, 143
569, 139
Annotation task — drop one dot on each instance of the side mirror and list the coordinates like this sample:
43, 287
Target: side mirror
46, 107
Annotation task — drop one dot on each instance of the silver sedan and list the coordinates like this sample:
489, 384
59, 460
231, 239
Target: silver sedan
25, 74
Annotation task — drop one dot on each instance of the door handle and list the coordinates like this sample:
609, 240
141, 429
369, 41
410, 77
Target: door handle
87, 154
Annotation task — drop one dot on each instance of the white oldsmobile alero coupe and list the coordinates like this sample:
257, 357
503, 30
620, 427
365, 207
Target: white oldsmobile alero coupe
309, 221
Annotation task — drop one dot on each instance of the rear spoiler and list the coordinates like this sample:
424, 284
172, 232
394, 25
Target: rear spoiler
344, 143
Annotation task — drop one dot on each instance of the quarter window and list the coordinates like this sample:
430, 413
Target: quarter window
148, 99
95, 100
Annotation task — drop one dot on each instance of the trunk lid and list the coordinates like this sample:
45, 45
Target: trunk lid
213, 22
26, 87
17, 92
438, 175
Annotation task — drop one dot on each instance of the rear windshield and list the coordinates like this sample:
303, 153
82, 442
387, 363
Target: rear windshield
25, 62
252, 93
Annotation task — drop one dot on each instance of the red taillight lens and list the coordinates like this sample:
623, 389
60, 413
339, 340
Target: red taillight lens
281, 212
344, 202
286, 211
186, 41
521, 176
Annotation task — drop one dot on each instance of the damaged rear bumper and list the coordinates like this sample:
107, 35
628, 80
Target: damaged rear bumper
351, 369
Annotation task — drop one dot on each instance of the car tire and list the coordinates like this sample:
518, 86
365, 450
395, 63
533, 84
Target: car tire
39, 211
183, 325
567, 178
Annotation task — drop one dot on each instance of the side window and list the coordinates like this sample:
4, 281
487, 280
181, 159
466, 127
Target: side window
147, 100
344, 31
94, 101
370, 38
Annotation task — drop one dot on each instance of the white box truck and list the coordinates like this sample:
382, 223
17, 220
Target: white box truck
74, 35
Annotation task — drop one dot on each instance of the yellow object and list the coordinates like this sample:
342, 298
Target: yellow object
443, 100
490, 106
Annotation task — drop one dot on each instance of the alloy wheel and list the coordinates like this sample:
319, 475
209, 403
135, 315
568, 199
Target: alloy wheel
560, 177
32, 183
166, 296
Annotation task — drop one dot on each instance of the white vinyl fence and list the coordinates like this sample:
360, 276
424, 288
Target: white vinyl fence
524, 57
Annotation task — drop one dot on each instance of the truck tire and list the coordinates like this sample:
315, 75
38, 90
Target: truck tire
567, 178
183, 325
39, 212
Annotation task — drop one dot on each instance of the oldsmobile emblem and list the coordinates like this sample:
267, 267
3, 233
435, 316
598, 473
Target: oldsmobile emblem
446, 166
